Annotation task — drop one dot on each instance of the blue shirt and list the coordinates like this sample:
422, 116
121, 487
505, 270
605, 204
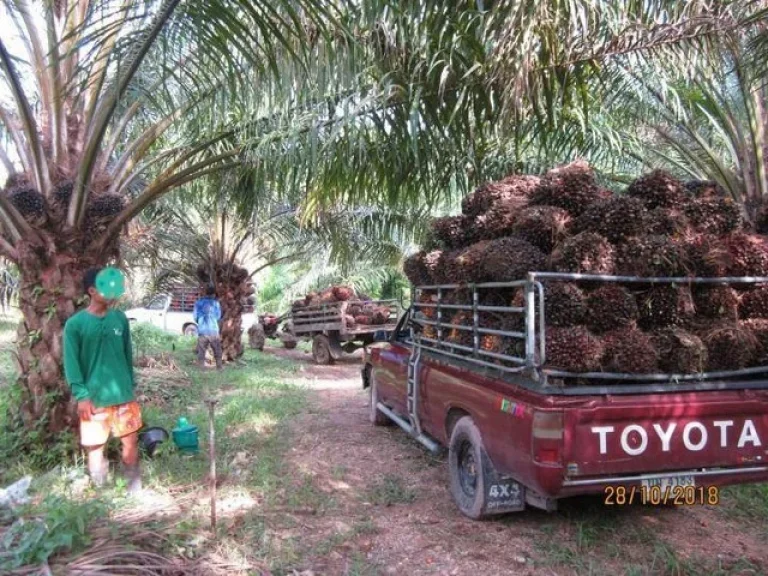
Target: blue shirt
207, 315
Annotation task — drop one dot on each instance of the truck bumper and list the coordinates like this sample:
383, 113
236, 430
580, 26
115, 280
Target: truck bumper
553, 484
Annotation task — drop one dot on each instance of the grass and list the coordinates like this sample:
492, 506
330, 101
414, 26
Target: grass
390, 490
255, 401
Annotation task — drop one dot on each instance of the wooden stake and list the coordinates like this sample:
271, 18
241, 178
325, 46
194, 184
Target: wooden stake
211, 402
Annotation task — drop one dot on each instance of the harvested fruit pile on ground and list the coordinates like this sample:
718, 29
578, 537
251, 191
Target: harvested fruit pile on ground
357, 309
566, 222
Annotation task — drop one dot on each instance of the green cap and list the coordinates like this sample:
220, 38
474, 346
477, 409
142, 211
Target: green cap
110, 283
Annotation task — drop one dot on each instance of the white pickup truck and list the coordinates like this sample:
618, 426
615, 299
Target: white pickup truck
158, 313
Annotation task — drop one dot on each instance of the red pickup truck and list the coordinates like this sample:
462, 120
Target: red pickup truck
516, 435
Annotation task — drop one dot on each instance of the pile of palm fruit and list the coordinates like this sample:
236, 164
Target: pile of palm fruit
356, 309
565, 222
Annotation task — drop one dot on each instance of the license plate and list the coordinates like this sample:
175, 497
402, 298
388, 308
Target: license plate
670, 482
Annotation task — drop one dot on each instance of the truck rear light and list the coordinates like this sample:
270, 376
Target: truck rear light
547, 437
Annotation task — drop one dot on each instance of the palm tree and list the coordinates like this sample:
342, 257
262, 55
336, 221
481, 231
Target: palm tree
96, 117
197, 237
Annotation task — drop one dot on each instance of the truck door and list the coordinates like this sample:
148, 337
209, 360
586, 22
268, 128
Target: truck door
157, 307
391, 372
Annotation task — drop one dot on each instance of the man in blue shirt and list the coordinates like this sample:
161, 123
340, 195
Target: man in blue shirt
207, 315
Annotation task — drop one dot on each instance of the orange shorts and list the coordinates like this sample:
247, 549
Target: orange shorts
119, 420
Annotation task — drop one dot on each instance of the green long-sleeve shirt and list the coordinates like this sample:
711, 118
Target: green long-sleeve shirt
98, 359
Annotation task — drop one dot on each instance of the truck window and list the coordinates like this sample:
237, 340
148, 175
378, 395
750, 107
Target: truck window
403, 330
157, 303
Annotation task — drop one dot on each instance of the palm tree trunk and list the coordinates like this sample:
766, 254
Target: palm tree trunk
50, 291
233, 287
231, 323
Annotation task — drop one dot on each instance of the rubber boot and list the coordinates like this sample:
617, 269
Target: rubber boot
133, 478
99, 474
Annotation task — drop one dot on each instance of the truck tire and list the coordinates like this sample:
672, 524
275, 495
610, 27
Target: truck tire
190, 330
321, 350
376, 417
468, 464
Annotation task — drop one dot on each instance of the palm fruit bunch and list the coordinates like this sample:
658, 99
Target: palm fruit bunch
427, 298
664, 305
759, 328
62, 193
497, 223
730, 345
542, 226
585, 253
566, 304
630, 351
449, 232
716, 302
616, 218
494, 343
573, 349
610, 307
658, 189
571, 187
512, 191
457, 335
467, 265
415, 269
104, 207
748, 254
667, 222
366, 321
706, 255
754, 303
28, 201
508, 259
705, 189
714, 215
343, 293
651, 256
435, 262
680, 352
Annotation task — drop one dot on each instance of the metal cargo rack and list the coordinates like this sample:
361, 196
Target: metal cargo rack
530, 369
331, 338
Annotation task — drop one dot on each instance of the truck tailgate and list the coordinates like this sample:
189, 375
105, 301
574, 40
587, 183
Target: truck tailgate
641, 434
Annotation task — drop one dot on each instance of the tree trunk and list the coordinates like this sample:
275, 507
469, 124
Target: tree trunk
50, 291
233, 287
231, 322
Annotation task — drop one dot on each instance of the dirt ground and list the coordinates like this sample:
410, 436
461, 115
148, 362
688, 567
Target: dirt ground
388, 507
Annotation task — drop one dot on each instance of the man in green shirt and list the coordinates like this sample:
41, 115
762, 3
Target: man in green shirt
98, 365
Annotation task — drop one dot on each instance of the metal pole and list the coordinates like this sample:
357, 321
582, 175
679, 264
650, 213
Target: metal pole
530, 324
211, 402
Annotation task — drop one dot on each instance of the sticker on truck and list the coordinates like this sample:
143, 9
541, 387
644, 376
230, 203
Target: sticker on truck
504, 494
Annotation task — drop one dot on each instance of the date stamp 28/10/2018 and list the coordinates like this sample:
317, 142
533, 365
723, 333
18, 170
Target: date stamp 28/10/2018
657, 495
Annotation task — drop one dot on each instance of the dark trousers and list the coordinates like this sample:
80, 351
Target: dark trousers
212, 340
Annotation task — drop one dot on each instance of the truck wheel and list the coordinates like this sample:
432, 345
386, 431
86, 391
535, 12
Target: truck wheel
467, 464
377, 418
190, 330
321, 350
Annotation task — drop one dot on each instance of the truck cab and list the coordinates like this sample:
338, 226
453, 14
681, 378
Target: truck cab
515, 439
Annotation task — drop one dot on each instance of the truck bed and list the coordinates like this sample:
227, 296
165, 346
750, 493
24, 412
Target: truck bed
325, 318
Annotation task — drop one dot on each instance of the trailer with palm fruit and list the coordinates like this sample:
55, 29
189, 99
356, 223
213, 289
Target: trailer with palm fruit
339, 321
565, 340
